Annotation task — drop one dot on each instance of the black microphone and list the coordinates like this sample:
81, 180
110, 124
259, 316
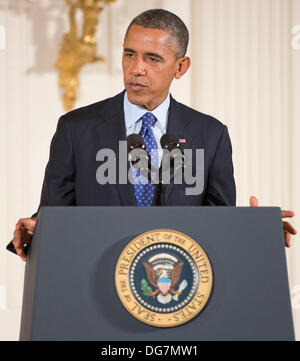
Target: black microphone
170, 142
135, 141
138, 155
140, 158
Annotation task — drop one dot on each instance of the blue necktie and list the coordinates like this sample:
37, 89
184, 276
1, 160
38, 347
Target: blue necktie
144, 191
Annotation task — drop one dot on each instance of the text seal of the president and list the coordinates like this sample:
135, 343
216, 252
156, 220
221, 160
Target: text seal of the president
163, 278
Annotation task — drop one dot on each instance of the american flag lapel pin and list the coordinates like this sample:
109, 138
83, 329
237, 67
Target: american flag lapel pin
182, 140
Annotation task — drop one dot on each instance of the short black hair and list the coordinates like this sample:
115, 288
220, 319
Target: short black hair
165, 20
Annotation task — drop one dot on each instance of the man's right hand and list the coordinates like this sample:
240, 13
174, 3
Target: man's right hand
23, 235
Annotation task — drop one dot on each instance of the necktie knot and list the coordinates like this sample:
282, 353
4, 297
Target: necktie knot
148, 120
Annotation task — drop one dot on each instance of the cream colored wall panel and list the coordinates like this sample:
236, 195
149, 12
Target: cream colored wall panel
9, 321
3, 159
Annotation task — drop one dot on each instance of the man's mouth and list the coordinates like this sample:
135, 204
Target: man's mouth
137, 86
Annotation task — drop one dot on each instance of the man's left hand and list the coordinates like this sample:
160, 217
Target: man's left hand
288, 229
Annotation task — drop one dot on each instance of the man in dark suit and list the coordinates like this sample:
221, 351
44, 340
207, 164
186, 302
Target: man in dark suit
154, 54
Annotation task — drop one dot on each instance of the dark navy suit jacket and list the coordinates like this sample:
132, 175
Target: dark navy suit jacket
70, 176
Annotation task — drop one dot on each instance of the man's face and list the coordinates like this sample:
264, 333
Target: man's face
149, 66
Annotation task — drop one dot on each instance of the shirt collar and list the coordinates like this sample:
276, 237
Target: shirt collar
133, 113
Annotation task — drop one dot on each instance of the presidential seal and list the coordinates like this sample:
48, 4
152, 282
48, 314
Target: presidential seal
163, 278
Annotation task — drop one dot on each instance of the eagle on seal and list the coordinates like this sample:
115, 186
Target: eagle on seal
164, 281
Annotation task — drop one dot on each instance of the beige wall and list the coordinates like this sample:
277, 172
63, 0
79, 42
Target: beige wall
245, 71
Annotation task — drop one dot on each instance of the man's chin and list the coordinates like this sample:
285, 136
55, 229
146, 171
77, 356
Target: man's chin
137, 98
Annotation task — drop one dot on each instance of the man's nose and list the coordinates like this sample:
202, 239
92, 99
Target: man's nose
138, 68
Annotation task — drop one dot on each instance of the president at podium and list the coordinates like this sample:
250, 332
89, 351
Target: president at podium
154, 54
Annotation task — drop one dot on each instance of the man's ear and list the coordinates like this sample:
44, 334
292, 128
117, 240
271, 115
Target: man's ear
183, 66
